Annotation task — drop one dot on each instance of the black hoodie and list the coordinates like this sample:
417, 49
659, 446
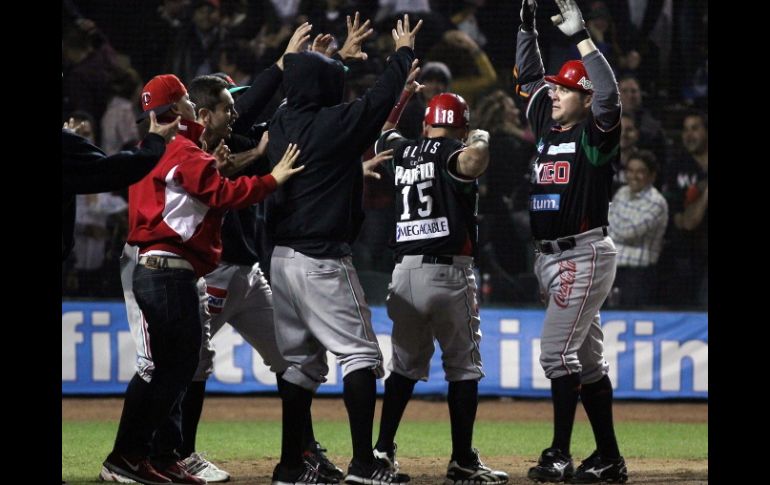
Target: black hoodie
319, 211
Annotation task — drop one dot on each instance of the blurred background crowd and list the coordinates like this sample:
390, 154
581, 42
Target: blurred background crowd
658, 49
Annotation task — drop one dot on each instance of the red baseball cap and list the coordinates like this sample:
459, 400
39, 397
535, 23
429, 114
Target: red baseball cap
573, 75
160, 94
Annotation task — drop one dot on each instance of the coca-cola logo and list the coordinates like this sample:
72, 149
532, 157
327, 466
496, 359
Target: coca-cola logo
567, 270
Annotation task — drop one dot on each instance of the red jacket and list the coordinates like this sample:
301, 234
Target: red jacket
178, 206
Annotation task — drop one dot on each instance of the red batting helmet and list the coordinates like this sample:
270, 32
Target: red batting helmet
447, 109
572, 75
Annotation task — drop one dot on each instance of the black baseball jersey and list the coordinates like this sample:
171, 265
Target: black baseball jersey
571, 175
435, 206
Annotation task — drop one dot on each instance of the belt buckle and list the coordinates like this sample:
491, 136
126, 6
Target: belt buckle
152, 262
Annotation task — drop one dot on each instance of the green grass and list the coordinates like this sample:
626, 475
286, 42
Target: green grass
85, 444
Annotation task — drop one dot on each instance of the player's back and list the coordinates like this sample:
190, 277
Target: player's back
435, 208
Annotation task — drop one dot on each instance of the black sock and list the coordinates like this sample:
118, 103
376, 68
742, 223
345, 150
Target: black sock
398, 391
564, 392
192, 407
463, 400
295, 402
597, 401
360, 394
308, 436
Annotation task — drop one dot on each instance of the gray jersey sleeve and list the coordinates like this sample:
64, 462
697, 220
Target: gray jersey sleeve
530, 83
529, 71
606, 100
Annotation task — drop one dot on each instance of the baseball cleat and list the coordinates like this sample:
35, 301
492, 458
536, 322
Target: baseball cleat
315, 457
301, 475
473, 473
553, 466
596, 469
378, 473
387, 457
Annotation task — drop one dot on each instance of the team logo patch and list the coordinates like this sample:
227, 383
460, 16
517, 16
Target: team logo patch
567, 271
586, 83
216, 299
544, 202
146, 98
562, 148
551, 173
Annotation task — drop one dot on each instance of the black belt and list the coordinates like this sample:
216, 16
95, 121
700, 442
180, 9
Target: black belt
561, 244
430, 259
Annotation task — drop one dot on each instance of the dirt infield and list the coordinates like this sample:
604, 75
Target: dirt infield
428, 471
250, 408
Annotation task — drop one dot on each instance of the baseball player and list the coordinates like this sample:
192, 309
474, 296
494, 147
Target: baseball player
319, 302
433, 291
576, 122
175, 215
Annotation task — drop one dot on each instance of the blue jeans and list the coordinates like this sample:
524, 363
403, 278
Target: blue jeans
169, 302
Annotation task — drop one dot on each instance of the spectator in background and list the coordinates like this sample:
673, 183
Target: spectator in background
389, 8
237, 61
638, 217
193, 51
119, 128
473, 71
629, 137
651, 136
93, 231
465, 20
87, 63
504, 191
686, 190
599, 23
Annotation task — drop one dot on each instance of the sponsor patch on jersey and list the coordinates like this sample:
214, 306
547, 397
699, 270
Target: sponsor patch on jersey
422, 229
544, 202
562, 148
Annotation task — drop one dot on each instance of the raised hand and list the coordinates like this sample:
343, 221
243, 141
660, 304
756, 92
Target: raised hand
323, 44
403, 35
283, 169
357, 34
298, 39
167, 131
570, 20
528, 8
74, 127
411, 81
371, 164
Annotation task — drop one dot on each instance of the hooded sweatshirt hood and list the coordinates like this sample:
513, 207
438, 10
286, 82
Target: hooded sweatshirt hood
312, 80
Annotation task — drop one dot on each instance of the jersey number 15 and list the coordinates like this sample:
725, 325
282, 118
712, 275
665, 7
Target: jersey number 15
426, 201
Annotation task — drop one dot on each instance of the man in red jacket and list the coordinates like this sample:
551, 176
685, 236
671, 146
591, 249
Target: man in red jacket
175, 216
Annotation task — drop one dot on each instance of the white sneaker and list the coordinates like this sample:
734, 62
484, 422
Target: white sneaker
109, 476
199, 466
